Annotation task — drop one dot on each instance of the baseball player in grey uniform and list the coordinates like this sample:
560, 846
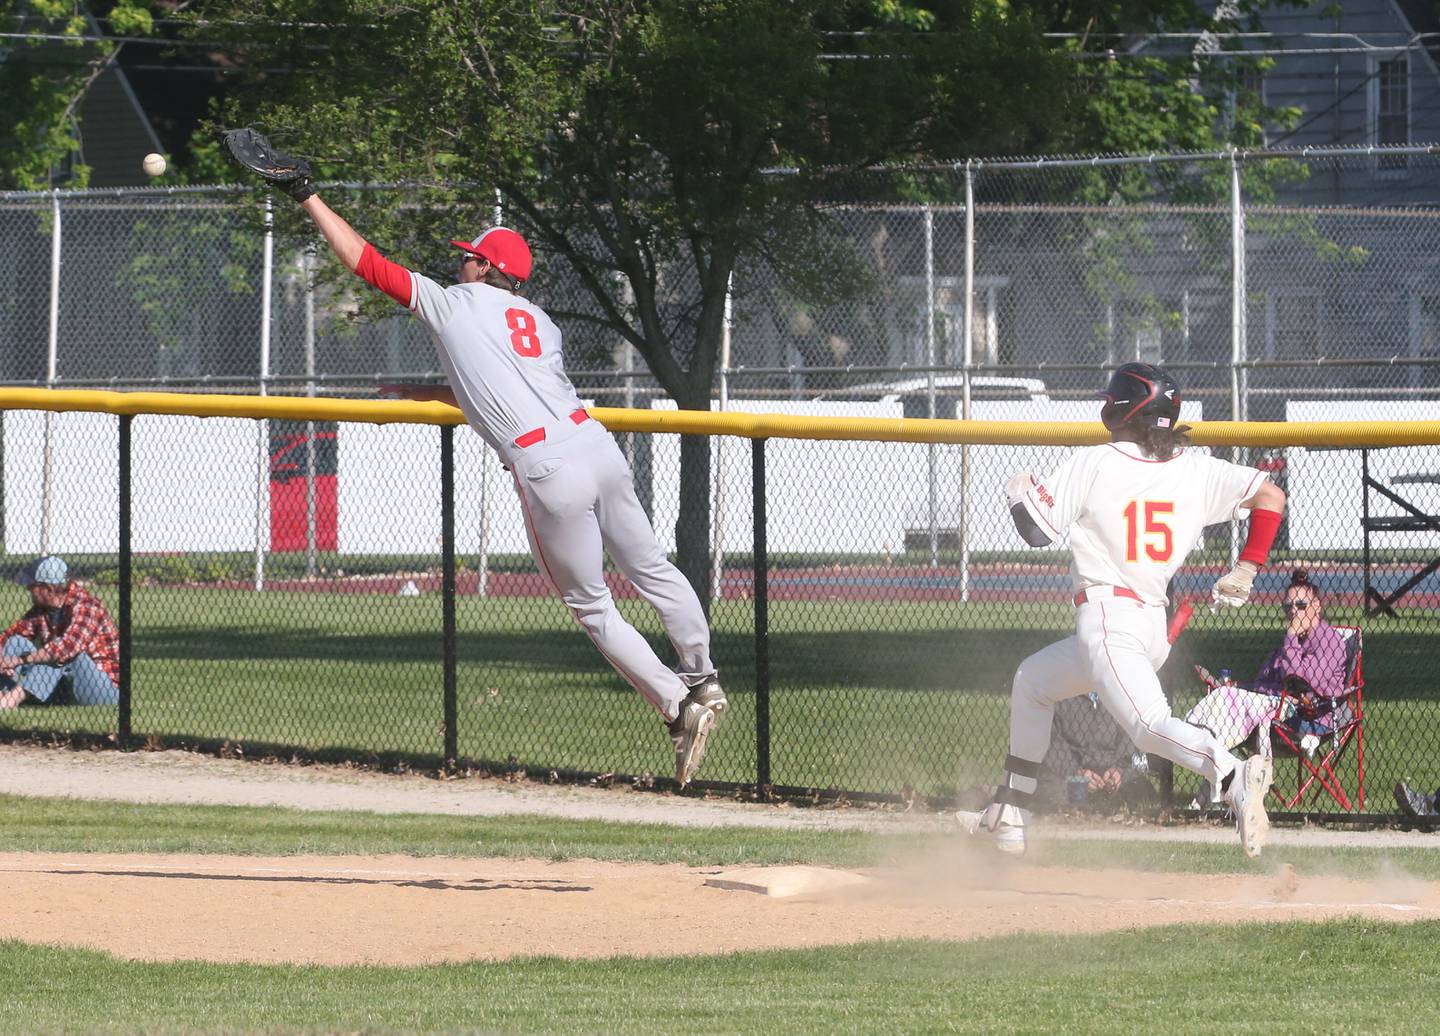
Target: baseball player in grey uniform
502, 356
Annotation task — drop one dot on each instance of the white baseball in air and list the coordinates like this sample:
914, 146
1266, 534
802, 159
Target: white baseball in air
154, 164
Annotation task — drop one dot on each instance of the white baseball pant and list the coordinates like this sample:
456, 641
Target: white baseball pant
579, 502
1118, 646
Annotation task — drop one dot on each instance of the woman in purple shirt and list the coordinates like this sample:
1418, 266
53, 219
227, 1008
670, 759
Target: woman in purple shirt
1310, 663
1312, 649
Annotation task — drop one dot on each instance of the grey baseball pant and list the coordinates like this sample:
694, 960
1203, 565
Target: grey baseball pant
579, 501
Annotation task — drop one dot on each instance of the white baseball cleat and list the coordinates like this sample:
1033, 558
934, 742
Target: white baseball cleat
689, 731
1246, 796
708, 693
1005, 835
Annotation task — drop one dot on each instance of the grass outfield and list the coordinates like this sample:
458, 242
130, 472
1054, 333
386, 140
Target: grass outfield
870, 696
1354, 976
66, 825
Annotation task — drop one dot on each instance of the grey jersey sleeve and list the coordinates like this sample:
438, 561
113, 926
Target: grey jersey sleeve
432, 304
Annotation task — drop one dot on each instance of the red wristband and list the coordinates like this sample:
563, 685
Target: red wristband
1264, 524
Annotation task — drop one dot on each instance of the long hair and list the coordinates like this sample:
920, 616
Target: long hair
496, 278
1161, 443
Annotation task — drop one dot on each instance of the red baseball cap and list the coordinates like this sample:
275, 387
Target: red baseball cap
505, 249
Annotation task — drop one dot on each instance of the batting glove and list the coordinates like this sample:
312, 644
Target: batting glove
1233, 588
1016, 488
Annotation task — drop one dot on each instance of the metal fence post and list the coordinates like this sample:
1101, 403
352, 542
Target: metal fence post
52, 356
932, 451
1237, 320
262, 434
123, 613
762, 620
968, 338
717, 524
1241, 299
482, 559
311, 535
1365, 531
447, 589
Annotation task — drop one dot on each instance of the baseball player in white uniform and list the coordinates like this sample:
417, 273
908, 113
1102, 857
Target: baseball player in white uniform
502, 356
1133, 508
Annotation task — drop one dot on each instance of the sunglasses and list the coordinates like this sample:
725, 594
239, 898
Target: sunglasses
1299, 604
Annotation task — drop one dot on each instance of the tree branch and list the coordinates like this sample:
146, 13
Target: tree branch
653, 347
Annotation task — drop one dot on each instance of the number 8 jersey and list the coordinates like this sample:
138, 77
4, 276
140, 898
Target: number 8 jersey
1133, 520
502, 356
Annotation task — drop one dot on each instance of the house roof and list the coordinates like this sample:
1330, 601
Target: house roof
114, 131
1423, 19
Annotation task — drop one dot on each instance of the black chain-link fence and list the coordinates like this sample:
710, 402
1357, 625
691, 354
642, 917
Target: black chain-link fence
287, 594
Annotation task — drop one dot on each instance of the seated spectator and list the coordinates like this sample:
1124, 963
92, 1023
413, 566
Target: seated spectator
64, 649
1416, 803
1309, 663
1091, 759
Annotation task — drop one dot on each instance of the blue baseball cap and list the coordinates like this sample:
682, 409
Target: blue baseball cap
47, 569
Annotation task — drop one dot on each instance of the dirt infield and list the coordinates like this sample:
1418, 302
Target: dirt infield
401, 910
398, 910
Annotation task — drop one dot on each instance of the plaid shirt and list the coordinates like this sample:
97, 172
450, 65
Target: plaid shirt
80, 626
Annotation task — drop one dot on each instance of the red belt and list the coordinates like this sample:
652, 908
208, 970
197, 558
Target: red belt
535, 435
1115, 591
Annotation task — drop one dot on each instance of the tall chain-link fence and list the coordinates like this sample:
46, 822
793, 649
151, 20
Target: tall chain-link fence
1263, 277
285, 574
865, 650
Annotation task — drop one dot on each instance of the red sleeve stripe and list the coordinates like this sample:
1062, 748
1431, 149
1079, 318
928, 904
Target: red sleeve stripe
379, 272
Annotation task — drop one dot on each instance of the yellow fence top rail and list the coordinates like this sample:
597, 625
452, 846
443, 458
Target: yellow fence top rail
195, 404
746, 425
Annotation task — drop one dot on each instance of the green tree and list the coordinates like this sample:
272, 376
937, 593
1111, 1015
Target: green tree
46, 66
637, 140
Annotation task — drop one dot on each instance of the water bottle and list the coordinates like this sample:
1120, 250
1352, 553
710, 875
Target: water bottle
1227, 678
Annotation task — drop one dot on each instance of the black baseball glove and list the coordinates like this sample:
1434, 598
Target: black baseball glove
284, 172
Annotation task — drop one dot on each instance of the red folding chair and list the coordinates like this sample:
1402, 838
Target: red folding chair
1316, 770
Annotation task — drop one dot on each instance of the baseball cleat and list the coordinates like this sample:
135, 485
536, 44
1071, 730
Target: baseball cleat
1008, 838
708, 693
689, 731
1246, 796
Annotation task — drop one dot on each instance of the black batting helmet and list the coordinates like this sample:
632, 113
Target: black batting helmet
1140, 393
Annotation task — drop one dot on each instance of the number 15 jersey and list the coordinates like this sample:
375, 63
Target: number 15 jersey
1133, 520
